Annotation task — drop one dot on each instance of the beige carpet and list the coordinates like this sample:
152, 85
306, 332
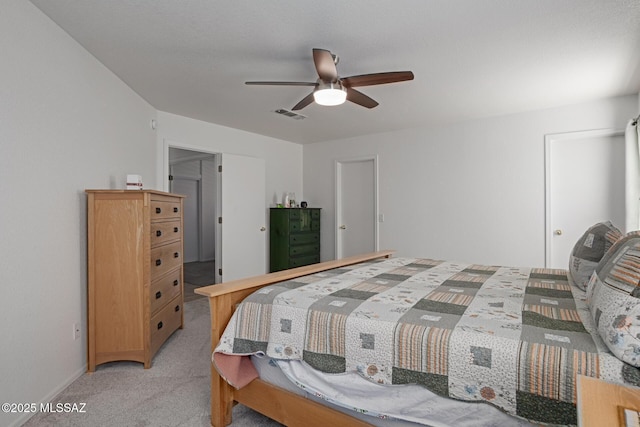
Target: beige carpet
189, 294
200, 273
173, 392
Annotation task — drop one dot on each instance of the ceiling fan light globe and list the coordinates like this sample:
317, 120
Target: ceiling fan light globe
330, 94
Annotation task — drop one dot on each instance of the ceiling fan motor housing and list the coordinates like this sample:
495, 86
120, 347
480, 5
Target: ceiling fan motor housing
330, 93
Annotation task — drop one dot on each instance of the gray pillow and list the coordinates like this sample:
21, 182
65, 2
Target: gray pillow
589, 250
613, 298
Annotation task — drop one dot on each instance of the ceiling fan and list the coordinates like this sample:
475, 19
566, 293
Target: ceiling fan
330, 89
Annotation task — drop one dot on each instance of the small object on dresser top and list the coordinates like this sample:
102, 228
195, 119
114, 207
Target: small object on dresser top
134, 182
630, 417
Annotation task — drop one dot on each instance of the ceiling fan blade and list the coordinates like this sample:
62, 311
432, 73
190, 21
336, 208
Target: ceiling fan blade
282, 83
325, 65
305, 101
377, 78
360, 98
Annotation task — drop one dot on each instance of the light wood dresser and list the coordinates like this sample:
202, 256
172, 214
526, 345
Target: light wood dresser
135, 273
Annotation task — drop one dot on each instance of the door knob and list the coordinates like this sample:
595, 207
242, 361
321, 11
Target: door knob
343, 227
558, 232
263, 228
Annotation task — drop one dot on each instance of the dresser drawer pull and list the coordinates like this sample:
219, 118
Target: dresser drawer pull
158, 262
158, 210
158, 295
175, 210
176, 254
177, 308
176, 229
158, 233
160, 325
176, 282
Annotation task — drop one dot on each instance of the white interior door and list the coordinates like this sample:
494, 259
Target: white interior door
356, 207
585, 185
243, 229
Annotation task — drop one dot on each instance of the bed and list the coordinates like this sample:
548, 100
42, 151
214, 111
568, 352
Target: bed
515, 338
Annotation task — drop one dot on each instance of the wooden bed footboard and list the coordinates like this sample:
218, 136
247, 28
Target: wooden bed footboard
285, 407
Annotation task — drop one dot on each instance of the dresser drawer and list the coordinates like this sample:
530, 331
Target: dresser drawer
303, 260
163, 232
304, 249
294, 214
165, 289
294, 226
165, 209
165, 258
304, 239
305, 224
165, 322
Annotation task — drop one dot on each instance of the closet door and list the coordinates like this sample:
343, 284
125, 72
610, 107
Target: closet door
244, 212
585, 185
356, 207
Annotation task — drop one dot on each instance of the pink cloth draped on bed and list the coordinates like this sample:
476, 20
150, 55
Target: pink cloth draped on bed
236, 370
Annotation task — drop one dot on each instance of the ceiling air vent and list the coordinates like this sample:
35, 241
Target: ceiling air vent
290, 114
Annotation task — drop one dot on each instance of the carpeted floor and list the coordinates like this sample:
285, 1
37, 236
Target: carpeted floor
189, 294
200, 273
173, 392
197, 274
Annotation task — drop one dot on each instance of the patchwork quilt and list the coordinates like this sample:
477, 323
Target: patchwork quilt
513, 337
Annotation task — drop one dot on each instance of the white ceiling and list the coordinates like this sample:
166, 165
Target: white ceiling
471, 58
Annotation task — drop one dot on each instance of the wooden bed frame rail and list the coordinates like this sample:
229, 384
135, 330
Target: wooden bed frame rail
278, 404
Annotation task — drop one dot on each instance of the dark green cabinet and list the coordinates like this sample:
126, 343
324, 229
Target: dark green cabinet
294, 238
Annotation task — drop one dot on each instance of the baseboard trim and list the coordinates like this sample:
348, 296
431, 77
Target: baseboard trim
51, 395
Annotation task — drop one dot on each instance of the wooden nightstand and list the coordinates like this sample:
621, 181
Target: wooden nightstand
601, 404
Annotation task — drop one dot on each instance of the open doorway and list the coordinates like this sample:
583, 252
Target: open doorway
238, 213
194, 174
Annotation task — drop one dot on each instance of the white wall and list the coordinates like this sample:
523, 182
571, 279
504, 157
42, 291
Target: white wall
471, 192
66, 124
283, 160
